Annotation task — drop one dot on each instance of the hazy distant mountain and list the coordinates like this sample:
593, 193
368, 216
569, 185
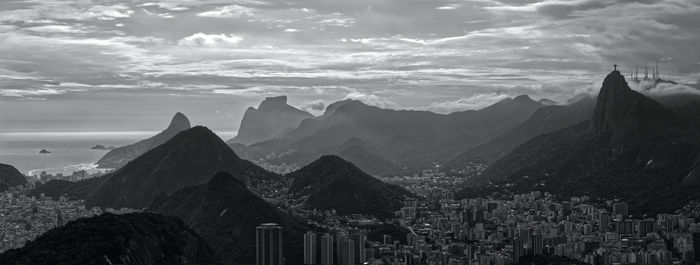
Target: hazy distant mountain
407, 139
677, 100
367, 157
10, 177
547, 102
333, 183
544, 120
633, 148
270, 120
189, 158
226, 213
119, 156
139, 238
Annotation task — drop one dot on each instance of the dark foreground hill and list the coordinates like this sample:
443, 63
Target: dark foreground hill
633, 149
10, 176
226, 214
189, 158
333, 183
120, 156
139, 238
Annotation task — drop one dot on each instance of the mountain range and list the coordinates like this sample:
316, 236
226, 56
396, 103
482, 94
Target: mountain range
543, 120
632, 148
10, 176
384, 141
621, 145
137, 238
120, 156
196, 177
333, 183
190, 158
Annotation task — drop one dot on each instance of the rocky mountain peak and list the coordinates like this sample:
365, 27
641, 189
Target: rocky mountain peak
273, 102
614, 99
179, 122
627, 113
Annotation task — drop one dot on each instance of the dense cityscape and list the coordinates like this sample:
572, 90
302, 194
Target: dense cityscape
489, 231
434, 230
24, 217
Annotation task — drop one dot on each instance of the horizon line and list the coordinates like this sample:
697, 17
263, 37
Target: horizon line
90, 133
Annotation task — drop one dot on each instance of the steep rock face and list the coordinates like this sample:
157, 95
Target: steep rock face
189, 158
633, 149
138, 238
120, 156
178, 123
226, 213
9, 177
333, 183
614, 99
270, 120
625, 113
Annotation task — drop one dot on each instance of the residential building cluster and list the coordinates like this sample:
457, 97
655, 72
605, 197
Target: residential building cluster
432, 184
24, 217
75, 176
485, 231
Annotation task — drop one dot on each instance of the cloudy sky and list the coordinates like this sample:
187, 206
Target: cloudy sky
101, 65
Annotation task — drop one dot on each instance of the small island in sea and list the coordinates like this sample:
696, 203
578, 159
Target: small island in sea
102, 147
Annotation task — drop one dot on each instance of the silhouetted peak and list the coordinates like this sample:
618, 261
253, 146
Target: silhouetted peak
523, 98
179, 122
333, 107
199, 134
332, 163
273, 102
143, 238
333, 183
224, 179
10, 176
548, 102
332, 159
199, 131
626, 112
514, 104
354, 141
613, 102
578, 98
225, 183
615, 82
3, 166
352, 105
583, 101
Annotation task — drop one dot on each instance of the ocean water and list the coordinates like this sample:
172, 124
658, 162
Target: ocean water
70, 151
